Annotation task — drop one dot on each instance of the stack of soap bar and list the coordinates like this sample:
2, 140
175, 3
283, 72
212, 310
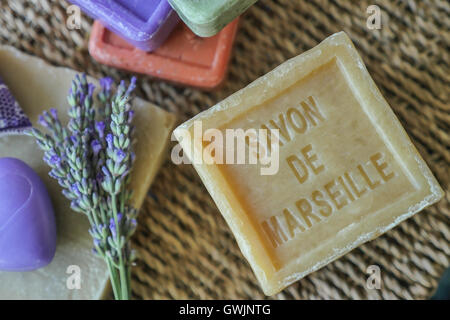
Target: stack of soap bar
347, 170
144, 23
208, 17
39, 86
184, 58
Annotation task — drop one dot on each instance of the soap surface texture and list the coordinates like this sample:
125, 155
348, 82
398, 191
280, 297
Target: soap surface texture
347, 170
184, 58
24, 75
145, 24
207, 17
27, 219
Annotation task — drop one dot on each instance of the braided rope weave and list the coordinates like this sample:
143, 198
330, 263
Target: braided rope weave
187, 251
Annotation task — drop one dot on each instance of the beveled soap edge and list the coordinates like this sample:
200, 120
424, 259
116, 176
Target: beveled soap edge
435, 192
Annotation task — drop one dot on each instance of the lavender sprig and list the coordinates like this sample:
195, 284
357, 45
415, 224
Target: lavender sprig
91, 159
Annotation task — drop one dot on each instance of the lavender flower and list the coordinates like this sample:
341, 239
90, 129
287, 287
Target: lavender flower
55, 160
42, 121
106, 83
91, 159
113, 228
120, 155
96, 146
100, 127
110, 140
91, 89
54, 113
97, 242
75, 189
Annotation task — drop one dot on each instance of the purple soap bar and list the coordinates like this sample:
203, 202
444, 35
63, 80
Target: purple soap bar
27, 220
143, 23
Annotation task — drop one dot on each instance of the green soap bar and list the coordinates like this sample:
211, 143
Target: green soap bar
208, 17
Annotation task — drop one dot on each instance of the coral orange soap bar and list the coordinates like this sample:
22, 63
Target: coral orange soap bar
184, 58
344, 172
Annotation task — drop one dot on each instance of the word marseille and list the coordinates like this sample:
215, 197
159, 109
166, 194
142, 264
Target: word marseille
334, 195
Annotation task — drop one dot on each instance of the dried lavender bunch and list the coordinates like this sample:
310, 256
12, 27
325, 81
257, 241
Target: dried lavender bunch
91, 158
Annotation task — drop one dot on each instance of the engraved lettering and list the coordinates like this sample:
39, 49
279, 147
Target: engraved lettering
318, 200
296, 120
334, 195
311, 111
281, 125
381, 167
300, 125
305, 209
311, 158
299, 169
353, 186
372, 184
292, 223
274, 231
344, 186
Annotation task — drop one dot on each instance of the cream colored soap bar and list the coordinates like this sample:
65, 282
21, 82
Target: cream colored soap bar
37, 87
347, 170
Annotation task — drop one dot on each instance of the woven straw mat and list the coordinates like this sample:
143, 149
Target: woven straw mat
186, 249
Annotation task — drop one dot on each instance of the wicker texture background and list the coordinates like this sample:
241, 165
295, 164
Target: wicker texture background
187, 251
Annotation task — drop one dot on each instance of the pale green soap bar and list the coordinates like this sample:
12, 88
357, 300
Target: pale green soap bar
208, 17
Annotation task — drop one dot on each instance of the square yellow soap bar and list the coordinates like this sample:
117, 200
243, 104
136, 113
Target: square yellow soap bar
347, 171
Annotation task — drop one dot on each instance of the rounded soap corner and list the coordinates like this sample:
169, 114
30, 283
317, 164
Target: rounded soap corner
270, 291
214, 83
438, 192
340, 37
200, 30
